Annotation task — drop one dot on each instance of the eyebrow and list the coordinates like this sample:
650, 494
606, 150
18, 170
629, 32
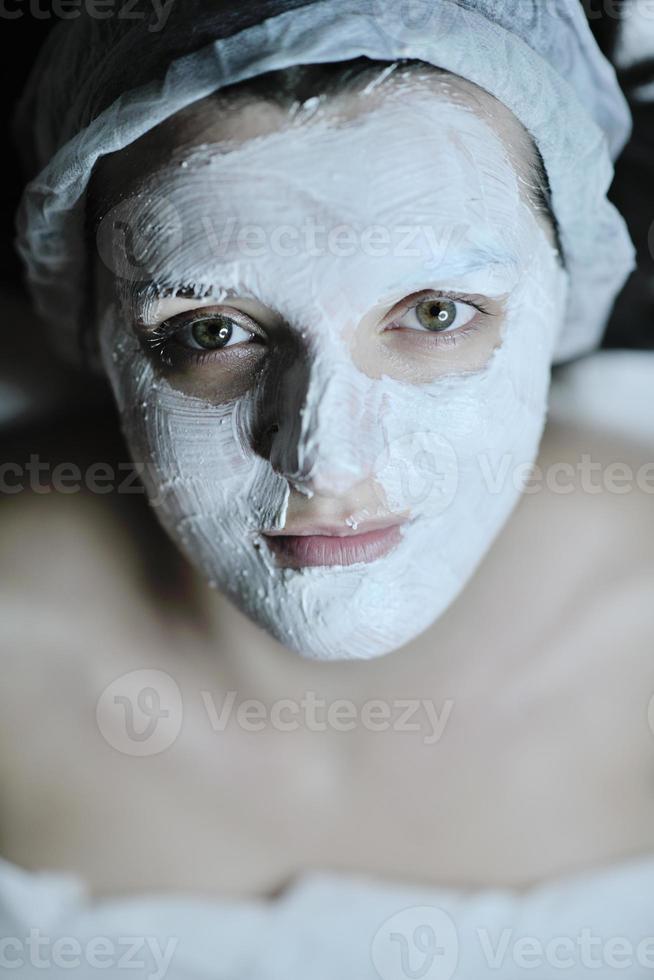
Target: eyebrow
176, 291
468, 260
544, 202
149, 291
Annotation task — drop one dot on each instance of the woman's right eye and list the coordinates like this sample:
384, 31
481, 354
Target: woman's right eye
197, 336
212, 332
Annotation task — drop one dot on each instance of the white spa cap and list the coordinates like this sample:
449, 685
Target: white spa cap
100, 84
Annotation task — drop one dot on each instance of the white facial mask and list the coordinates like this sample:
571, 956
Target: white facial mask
445, 451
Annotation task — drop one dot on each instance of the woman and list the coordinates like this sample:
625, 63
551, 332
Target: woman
328, 301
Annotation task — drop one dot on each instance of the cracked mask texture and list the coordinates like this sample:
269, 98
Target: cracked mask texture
443, 451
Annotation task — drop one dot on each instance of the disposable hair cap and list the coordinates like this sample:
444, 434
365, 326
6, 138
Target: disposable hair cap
99, 84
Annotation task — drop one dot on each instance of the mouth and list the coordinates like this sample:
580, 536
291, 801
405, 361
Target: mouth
318, 546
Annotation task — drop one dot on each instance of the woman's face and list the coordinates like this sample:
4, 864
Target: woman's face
329, 332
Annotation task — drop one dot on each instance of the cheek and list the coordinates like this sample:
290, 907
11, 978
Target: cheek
207, 485
173, 436
195, 450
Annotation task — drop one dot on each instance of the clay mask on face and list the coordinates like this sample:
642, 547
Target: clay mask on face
311, 420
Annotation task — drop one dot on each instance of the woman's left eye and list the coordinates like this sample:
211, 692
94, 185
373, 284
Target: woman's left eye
212, 332
436, 315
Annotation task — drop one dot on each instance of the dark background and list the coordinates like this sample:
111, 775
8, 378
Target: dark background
20, 41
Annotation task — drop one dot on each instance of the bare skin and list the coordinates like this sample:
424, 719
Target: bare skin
542, 765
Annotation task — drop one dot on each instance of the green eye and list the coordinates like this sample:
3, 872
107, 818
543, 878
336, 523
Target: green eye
436, 314
212, 332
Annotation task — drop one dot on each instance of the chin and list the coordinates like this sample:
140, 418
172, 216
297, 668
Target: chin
356, 612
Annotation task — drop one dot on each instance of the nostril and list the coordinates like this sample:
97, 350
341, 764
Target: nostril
264, 439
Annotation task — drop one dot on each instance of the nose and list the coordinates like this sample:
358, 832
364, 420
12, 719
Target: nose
322, 437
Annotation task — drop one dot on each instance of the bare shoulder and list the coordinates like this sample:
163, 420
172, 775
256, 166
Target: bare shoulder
587, 518
578, 551
75, 595
598, 452
61, 549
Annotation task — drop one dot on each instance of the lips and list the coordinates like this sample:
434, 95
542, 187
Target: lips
306, 550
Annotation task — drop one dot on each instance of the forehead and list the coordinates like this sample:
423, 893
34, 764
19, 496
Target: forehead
350, 198
231, 122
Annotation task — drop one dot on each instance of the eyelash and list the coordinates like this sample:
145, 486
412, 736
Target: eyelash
161, 340
445, 338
